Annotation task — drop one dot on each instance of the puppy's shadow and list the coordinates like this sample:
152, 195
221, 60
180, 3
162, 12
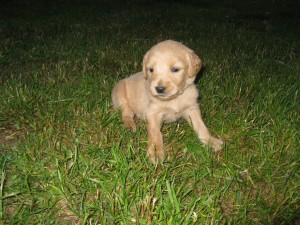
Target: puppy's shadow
200, 74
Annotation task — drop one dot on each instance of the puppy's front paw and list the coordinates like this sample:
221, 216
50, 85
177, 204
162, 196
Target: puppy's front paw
154, 155
153, 159
216, 143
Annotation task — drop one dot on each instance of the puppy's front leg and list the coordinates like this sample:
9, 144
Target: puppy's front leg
193, 116
155, 140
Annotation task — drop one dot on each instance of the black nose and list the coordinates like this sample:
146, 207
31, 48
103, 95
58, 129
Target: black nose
160, 89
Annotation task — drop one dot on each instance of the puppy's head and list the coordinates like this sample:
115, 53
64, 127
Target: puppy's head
170, 67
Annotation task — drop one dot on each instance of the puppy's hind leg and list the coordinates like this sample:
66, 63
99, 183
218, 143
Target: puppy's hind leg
119, 99
127, 117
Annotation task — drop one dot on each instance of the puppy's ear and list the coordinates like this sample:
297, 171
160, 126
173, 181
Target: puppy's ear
195, 64
144, 65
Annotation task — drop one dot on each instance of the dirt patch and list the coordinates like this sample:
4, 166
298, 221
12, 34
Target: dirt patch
9, 137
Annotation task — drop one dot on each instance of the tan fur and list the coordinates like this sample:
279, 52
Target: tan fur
163, 92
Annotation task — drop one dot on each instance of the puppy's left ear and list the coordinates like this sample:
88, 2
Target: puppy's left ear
144, 65
195, 64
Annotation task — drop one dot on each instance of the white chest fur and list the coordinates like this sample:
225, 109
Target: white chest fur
172, 110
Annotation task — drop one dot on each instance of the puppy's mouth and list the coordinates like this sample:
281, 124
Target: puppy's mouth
164, 95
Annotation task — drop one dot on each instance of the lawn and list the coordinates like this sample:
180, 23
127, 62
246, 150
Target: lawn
65, 157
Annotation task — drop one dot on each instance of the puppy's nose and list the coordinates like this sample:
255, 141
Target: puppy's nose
160, 89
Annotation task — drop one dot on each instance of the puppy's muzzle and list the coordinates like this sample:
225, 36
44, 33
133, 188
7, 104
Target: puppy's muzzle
160, 89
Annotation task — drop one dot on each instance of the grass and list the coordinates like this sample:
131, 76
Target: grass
66, 159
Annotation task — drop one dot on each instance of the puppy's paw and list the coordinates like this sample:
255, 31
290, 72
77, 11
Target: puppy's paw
154, 159
155, 156
129, 123
216, 143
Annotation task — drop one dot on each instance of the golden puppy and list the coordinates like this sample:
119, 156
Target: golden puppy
163, 92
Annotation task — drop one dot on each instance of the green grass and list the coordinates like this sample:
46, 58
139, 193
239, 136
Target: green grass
65, 157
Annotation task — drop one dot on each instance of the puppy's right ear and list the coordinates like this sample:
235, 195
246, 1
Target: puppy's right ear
145, 60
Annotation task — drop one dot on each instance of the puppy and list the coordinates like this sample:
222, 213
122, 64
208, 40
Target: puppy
163, 92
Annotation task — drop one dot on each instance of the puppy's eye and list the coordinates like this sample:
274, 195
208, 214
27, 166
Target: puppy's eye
151, 70
175, 69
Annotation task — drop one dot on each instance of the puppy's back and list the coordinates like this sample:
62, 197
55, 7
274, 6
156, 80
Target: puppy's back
132, 91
